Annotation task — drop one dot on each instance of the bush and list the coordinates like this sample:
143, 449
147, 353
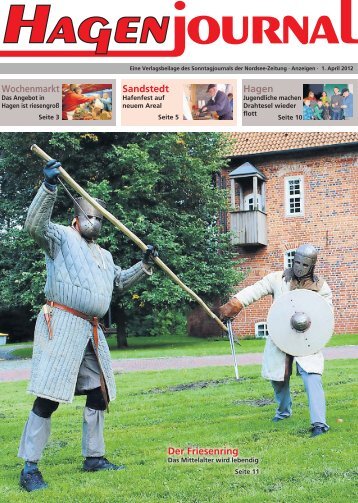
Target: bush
163, 323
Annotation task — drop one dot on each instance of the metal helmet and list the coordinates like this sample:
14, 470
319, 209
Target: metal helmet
89, 218
304, 261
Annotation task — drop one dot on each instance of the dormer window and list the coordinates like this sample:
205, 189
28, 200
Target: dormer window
248, 186
248, 206
249, 202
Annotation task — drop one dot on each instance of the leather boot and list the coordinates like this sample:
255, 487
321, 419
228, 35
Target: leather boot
32, 481
99, 464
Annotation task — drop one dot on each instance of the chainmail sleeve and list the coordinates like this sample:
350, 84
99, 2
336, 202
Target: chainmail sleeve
124, 279
46, 234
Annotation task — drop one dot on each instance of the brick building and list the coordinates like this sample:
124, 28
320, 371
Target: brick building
286, 189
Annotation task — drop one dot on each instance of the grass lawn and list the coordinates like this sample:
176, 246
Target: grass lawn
22, 352
154, 411
15, 344
182, 345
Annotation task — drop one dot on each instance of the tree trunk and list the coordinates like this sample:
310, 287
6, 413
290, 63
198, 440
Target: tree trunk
120, 318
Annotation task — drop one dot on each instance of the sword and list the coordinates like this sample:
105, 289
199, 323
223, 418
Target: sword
232, 345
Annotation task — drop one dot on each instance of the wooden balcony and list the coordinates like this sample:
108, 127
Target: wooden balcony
248, 228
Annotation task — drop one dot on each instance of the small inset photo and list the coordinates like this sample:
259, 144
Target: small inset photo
86, 102
327, 102
208, 102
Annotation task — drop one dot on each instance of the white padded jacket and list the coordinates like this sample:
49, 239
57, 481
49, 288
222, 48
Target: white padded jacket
273, 366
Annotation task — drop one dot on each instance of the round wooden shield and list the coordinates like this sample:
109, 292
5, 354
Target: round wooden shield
300, 322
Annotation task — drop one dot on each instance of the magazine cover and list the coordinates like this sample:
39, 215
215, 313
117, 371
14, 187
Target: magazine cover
178, 240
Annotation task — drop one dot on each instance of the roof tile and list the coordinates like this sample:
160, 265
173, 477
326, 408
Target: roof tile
257, 143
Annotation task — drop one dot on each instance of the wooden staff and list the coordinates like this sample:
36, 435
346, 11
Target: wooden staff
114, 221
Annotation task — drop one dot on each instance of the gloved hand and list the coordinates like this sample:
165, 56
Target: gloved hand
51, 173
149, 254
230, 309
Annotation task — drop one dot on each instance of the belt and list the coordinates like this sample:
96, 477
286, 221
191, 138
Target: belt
92, 319
94, 322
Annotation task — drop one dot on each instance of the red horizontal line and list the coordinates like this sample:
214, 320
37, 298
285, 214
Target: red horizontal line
84, 54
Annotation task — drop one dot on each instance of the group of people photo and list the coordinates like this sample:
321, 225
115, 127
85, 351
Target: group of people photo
327, 102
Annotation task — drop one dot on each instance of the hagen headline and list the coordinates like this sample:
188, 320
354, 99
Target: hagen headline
45, 34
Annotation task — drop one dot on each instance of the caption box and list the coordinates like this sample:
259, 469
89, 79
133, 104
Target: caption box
178, 102
57, 103
299, 102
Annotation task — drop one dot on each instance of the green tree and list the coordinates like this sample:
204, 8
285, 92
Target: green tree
160, 185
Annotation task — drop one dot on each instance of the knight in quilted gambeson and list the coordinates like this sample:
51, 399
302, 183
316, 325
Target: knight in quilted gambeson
71, 355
